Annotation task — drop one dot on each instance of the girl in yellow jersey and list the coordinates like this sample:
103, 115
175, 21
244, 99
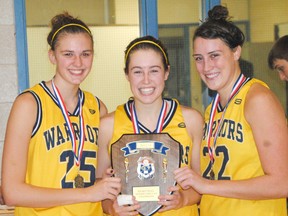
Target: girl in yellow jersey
147, 68
244, 152
50, 148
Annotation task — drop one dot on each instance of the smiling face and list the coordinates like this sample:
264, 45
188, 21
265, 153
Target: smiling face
73, 57
146, 75
281, 65
216, 63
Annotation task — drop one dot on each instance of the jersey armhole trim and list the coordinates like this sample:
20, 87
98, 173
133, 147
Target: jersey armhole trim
39, 112
98, 102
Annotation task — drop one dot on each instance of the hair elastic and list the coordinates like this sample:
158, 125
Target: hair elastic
70, 24
146, 41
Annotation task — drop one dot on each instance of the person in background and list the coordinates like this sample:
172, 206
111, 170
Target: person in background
278, 57
147, 112
278, 60
50, 147
244, 150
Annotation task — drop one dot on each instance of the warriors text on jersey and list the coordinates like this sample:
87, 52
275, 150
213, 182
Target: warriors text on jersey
51, 160
236, 158
174, 125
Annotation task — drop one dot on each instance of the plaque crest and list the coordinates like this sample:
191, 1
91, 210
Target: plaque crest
146, 168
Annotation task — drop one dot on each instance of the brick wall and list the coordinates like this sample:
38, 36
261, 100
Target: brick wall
8, 65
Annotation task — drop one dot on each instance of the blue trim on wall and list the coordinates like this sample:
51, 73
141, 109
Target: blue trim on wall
21, 44
148, 17
207, 5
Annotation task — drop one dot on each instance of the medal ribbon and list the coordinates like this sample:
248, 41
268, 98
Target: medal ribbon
160, 121
69, 124
238, 84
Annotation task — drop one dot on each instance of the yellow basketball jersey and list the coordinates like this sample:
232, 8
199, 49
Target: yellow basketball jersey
174, 125
51, 160
236, 158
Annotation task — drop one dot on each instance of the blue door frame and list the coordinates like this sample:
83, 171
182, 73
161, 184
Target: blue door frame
21, 44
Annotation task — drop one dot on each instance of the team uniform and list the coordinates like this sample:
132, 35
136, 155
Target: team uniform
173, 125
236, 158
51, 162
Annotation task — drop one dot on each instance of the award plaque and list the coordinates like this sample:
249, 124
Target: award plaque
145, 164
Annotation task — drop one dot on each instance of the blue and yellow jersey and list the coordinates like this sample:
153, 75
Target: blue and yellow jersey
236, 158
51, 162
174, 125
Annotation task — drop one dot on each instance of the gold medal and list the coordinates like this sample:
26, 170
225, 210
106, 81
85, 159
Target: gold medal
79, 181
212, 175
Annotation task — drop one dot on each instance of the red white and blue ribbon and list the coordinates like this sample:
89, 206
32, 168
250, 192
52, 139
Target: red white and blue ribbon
160, 121
69, 124
216, 102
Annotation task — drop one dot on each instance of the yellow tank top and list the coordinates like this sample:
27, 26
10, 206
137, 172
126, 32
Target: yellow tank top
236, 158
50, 156
173, 125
